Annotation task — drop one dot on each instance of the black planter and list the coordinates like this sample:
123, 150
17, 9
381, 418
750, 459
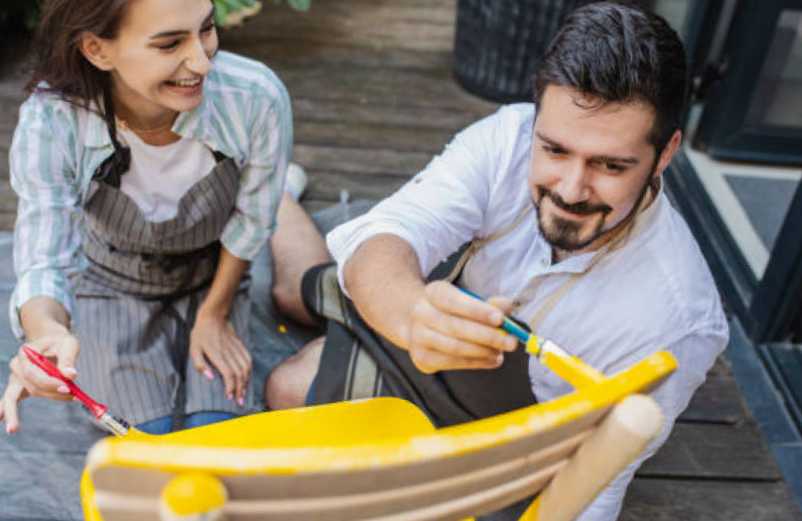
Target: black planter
499, 44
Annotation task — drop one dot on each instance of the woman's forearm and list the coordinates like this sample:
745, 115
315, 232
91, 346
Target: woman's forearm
42, 316
225, 284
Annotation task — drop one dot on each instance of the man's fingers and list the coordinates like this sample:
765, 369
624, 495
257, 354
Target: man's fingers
430, 361
448, 299
505, 304
452, 346
475, 333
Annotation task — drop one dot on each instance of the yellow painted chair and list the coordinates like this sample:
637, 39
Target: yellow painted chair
381, 459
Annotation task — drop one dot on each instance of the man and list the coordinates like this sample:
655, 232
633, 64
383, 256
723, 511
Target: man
561, 203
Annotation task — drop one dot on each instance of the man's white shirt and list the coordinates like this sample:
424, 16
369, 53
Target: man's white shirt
655, 292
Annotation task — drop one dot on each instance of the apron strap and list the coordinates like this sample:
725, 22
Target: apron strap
478, 243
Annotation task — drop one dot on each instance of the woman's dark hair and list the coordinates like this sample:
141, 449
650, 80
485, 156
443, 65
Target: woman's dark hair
618, 52
58, 58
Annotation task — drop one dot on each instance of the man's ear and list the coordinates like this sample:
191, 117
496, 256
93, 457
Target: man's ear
668, 152
96, 50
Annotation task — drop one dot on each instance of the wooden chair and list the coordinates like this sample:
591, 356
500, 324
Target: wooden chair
381, 459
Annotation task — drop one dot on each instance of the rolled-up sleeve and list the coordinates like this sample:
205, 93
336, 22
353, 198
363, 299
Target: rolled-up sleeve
439, 209
695, 353
262, 177
46, 235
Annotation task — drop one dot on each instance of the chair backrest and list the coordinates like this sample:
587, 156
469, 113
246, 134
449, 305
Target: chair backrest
419, 474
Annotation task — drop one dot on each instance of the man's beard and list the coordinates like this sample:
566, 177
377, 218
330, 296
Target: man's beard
564, 234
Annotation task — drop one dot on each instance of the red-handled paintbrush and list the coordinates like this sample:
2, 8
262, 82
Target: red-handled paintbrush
98, 410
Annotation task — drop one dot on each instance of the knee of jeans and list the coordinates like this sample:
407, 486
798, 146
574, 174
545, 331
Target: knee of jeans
206, 418
161, 425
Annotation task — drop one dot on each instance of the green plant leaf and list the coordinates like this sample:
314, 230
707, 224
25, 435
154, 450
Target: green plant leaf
300, 5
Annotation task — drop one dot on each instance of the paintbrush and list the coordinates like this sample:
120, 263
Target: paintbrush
548, 352
99, 411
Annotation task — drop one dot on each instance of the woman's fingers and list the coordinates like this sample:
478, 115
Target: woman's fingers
241, 360
66, 352
220, 362
13, 394
36, 381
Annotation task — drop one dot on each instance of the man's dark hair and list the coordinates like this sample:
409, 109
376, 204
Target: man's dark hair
618, 52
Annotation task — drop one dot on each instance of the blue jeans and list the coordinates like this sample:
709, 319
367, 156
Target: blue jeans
165, 424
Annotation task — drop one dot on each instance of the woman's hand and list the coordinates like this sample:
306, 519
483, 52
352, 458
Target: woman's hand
214, 341
28, 380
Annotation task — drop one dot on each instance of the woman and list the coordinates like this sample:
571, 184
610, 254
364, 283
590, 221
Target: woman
148, 168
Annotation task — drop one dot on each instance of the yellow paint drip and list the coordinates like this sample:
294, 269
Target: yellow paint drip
572, 370
194, 493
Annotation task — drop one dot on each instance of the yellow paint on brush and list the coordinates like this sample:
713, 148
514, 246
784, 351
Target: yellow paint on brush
533, 345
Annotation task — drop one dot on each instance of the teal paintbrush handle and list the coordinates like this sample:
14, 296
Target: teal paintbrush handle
507, 325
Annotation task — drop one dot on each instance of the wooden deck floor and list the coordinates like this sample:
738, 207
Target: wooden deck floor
374, 100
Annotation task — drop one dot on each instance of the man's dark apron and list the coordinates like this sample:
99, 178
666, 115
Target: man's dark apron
136, 302
359, 363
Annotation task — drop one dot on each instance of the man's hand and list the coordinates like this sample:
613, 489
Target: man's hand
451, 330
214, 341
28, 380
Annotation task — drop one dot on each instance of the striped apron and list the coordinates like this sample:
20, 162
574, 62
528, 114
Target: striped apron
136, 302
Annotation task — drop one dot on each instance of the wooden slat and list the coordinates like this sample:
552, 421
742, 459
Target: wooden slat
718, 400
360, 160
414, 118
710, 451
695, 500
392, 87
382, 23
281, 53
326, 185
355, 134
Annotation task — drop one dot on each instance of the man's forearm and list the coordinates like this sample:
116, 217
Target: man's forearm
384, 280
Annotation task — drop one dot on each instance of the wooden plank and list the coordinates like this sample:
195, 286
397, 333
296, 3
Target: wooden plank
309, 109
280, 53
711, 451
389, 87
326, 185
384, 23
691, 500
717, 400
7, 220
360, 160
365, 135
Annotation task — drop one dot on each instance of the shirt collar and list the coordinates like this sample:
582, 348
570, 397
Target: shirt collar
193, 125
